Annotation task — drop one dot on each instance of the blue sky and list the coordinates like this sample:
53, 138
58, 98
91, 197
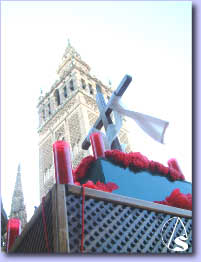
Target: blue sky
151, 41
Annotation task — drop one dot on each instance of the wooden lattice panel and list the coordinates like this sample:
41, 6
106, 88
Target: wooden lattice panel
115, 228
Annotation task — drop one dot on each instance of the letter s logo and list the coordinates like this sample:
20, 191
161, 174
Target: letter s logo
180, 242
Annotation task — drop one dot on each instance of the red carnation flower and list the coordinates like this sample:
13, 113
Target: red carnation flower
173, 164
109, 187
80, 171
137, 161
175, 175
178, 199
90, 184
152, 167
161, 168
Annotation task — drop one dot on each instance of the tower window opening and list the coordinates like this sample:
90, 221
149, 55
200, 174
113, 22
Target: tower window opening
48, 174
83, 84
43, 114
49, 109
91, 89
71, 85
65, 92
57, 97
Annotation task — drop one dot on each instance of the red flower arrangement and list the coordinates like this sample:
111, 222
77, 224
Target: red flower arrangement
134, 160
173, 163
178, 199
137, 162
109, 187
81, 169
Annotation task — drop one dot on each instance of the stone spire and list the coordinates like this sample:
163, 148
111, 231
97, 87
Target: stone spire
69, 42
70, 50
18, 209
71, 59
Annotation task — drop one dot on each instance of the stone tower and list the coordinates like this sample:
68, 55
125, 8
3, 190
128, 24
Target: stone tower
18, 209
67, 112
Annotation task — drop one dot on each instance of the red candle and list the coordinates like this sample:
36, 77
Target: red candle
173, 164
13, 230
98, 146
62, 163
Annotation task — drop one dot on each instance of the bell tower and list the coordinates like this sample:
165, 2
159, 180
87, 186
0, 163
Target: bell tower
67, 112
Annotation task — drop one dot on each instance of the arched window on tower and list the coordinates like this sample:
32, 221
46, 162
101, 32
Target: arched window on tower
49, 109
83, 84
57, 97
43, 114
91, 89
47, 174
65, 92
71, 85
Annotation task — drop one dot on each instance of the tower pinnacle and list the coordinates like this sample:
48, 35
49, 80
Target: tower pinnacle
19, 169
69, 42
18, 209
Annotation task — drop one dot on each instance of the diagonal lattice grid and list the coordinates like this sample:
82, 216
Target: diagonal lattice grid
34, 240
114, 228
